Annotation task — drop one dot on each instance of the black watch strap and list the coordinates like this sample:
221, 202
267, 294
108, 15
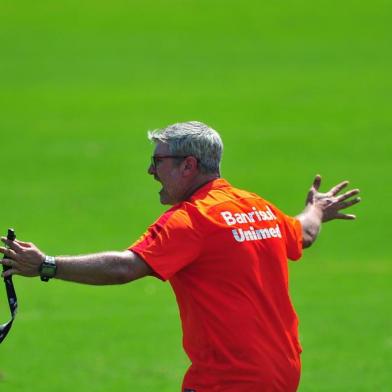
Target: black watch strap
48, 268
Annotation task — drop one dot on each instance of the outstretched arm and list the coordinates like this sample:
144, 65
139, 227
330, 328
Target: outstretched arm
323, 207
25, 258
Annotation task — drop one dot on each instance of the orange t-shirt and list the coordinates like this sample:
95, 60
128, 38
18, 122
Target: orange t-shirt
225, 251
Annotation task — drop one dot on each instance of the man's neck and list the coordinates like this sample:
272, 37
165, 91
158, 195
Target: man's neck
198, 183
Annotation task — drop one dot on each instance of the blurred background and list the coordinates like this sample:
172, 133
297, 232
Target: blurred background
295, 88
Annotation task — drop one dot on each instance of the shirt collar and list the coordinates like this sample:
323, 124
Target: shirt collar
207, 187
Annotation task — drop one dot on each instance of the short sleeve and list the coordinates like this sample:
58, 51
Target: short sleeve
170, 244
293, 237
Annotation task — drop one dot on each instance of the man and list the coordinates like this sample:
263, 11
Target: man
224, 251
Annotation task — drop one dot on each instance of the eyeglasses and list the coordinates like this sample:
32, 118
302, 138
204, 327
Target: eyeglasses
155, 158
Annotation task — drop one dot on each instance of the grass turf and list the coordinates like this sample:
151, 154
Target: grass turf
294, 89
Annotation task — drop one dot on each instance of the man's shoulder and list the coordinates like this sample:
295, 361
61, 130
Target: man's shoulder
220, 192
177, 213
207, 206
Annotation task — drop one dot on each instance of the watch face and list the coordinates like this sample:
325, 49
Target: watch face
48, 270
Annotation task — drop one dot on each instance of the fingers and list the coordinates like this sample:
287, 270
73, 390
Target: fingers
347, 195
316, 182
24, 244
348, 203
345, 216
8, 262
9, 272
337, 188
8, 253
12, 244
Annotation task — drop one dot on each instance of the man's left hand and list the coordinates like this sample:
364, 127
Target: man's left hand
331, 203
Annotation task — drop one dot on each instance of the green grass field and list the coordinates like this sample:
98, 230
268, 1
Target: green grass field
295, 88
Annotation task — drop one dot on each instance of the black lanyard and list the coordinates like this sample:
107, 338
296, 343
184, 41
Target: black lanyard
12, 300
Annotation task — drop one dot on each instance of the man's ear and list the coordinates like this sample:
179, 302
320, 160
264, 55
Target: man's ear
190, 165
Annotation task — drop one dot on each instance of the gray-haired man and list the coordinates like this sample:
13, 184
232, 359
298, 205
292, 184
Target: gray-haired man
224, 251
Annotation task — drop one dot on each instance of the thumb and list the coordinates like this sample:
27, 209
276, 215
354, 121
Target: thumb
316, 182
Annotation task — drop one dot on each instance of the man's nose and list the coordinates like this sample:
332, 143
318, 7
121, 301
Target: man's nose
151, 169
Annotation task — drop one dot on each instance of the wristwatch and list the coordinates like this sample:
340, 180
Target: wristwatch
48, 268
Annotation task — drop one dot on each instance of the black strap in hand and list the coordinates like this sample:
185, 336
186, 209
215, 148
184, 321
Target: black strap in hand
12, 300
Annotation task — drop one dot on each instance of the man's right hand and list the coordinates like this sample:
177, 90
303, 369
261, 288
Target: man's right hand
23, 258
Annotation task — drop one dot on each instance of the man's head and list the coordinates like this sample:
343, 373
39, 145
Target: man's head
186, 155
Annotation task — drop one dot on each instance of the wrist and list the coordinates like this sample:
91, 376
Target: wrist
314, 211
48, 268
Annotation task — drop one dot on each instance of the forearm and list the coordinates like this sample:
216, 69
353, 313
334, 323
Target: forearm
96, 269
311, 219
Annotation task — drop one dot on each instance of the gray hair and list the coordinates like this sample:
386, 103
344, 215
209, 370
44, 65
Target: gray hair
192, 138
